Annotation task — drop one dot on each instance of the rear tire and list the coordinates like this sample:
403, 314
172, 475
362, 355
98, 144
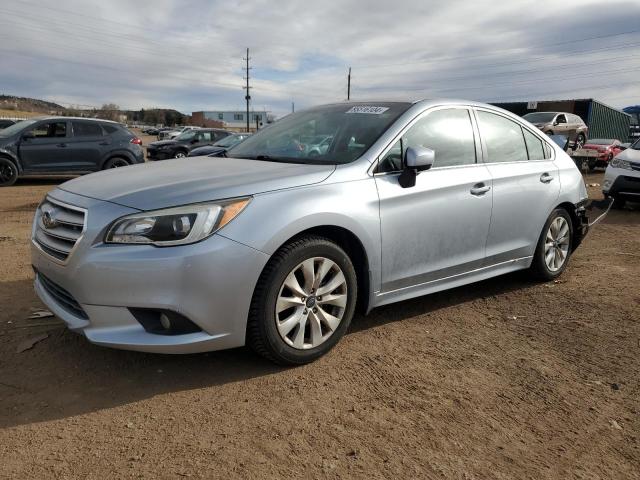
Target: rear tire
288, 330
554, 246
580, 140
8, 172
115, 162
180, 154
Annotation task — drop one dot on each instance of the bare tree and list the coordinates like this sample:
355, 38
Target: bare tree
109, 111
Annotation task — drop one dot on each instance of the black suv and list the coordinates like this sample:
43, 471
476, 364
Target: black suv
64, 145
180, 146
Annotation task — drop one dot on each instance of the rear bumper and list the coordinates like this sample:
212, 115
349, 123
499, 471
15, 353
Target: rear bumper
582, 227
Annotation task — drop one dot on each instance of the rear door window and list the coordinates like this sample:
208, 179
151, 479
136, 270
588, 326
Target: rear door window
534, 146
86, 129
503, 138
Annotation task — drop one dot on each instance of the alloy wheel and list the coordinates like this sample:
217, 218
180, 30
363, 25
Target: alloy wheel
311, 303
556, 247
180, 155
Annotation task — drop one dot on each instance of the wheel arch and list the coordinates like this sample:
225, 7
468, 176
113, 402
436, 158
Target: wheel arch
13, 158
570, 208
353, 246
117, 154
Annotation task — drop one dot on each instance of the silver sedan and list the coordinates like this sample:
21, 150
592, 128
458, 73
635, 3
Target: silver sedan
276, 248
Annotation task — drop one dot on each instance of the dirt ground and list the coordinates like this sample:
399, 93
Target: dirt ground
505, 379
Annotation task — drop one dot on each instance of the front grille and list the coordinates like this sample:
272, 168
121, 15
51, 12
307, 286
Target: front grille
62, 297
58, 228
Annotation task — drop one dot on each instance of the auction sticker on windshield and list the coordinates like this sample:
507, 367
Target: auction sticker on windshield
368, 109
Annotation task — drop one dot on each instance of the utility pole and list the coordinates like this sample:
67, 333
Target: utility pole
247, 97
293, 107
349, 85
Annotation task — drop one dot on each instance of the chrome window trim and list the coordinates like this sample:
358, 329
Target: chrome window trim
82, 232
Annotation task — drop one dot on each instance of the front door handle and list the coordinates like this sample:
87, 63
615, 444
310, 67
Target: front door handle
546, 178
480, 189
62, 145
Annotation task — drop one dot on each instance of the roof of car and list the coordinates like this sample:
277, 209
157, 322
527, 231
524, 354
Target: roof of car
54, 117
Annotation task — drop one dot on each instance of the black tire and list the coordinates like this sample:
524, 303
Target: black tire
550, 132
580, 139
115, 162
539, 268
618, 203
592, 165
262, 332
180, 154
8, 172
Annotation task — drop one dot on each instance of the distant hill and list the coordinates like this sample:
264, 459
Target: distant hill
24, 104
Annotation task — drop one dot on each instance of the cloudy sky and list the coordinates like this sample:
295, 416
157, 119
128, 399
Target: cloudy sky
188, 54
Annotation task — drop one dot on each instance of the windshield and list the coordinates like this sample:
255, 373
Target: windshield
539, 117
230, 141
16, 127
188, 135
636, 145
601, 141
352, 127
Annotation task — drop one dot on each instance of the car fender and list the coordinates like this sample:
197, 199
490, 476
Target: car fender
292, 211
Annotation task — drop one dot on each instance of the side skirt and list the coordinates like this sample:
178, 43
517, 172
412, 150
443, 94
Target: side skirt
453, 281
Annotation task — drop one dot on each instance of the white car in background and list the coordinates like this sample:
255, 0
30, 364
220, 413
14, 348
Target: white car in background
622, 177
175, 133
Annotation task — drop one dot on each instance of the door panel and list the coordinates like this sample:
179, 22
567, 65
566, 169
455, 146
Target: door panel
525, 186
48, 150
437, 228
87, 144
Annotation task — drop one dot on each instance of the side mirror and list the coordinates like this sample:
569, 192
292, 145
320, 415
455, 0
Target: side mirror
416, 159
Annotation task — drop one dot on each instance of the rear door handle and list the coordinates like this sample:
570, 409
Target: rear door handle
63, 145
480, 189
546, 178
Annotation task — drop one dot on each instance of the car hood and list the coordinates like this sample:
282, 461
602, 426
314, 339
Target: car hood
630, 155
163, 143
179, 182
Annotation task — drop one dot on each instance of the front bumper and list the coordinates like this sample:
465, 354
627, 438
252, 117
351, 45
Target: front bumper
622, 183
210, 283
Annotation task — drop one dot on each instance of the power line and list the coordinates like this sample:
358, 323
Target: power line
496, 52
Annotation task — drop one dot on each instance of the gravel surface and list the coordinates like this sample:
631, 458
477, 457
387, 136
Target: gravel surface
503, 379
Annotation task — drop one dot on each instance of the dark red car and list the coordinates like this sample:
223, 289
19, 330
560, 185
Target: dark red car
606, 149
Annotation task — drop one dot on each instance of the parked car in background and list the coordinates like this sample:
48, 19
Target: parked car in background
278, 251
622, 177
164, 132
560, 123
180, 146
151, 131
219, 148
4, 123
65, 145
598, 152
174, 133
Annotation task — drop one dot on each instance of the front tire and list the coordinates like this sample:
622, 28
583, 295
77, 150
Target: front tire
580, 140
8, 172
554, 246
180, 154
303, 302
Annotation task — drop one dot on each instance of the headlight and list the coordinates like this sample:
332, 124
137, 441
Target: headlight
618, 163
175, 226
